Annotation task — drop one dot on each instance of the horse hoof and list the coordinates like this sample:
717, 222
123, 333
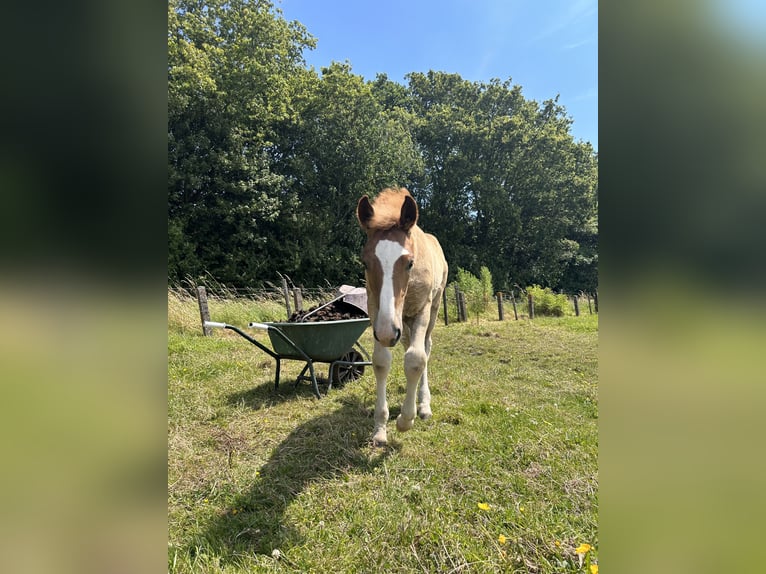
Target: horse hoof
403, 425
424, 415
379, 439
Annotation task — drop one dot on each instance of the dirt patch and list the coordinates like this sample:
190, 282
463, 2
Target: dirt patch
337, 311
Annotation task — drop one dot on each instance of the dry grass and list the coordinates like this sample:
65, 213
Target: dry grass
252, 470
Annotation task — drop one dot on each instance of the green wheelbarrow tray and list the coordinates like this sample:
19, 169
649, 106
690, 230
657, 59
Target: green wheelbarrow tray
331, 342
323, 341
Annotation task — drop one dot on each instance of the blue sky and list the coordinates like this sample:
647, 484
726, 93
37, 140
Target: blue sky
548, 47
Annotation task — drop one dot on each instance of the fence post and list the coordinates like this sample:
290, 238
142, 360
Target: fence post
286, 293
577, 306
298, 299
595, 301
444, 304
513, 300
531, 306
457, 303
500, 305
590, 309
461, 306
204, 312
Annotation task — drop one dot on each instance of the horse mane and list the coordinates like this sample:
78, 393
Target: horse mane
388, 208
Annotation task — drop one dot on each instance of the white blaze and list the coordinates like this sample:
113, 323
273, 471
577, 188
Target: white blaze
388, 252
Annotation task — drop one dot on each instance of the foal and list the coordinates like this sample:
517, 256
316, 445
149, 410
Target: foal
406, 274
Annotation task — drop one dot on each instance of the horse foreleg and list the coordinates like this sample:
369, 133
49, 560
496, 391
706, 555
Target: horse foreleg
424, 393
381, 365
415, 359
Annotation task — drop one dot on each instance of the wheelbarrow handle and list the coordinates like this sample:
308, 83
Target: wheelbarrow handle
263, 326
215, 324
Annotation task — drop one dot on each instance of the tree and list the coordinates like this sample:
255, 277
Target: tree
267, 159
504, 181
345, 145
478, 290
229, 68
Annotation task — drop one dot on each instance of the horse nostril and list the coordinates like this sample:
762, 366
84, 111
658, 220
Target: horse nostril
388, 342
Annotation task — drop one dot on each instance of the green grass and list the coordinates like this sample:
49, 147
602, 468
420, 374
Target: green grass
252, 470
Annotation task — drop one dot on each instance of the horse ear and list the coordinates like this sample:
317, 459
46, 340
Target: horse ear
364, 211
409, 214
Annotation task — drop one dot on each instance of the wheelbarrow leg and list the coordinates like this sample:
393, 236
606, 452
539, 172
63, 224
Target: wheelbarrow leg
302, 376
314, 380
309, 367
276, 380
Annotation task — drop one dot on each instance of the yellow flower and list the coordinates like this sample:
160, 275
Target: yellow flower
594, 569
502, 539
483, 506
583, 548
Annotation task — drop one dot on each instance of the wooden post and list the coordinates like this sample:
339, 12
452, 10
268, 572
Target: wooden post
513, 300
457, 304
531, 306
204, 312
457, 301
286, 293
461, 306
444, 304
298, 299
577, 306
595, 301
500, 305
590, 309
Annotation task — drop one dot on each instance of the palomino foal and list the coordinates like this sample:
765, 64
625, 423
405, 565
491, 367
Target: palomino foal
406, 274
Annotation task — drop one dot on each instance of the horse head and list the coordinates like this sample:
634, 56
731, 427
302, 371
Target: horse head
388, 257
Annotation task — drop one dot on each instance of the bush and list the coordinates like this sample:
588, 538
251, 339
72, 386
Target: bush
478, 291
547, 302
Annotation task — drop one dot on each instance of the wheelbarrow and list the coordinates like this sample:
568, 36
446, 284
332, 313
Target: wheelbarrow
333, 342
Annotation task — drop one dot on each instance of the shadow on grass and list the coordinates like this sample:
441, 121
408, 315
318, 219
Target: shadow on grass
265, 395
324, 448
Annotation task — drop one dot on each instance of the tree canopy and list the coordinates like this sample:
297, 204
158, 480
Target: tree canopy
267, 159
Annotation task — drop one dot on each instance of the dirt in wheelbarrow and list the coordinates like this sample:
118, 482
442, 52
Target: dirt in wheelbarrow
337, 311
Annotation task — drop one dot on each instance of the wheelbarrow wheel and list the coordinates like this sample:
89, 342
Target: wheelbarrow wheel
344, 373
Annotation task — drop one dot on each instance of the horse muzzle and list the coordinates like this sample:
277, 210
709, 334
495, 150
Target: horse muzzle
388, 338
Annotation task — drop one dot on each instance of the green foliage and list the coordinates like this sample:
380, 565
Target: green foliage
477, 290
485, 277
267, 159
504, 181
232, 68
547, 302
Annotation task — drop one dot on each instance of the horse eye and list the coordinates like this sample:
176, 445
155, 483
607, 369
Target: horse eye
410, 264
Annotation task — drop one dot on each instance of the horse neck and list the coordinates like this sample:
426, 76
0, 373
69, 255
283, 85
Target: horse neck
417, 235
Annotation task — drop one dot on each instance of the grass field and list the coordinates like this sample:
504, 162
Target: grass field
502, 478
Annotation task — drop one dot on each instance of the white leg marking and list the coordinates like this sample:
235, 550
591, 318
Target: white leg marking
381, 364
414, 363
424, 393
